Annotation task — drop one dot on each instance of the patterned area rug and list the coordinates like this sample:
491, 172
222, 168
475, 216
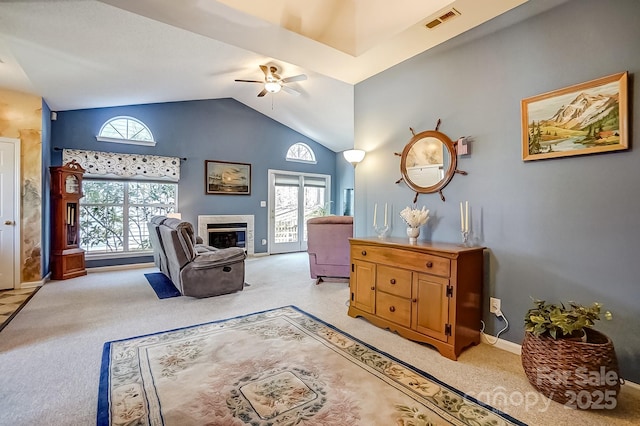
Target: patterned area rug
278, 367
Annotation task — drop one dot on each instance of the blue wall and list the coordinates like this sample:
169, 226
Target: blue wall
560, 229
222, 129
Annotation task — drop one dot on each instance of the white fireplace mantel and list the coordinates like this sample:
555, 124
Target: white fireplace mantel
204, 220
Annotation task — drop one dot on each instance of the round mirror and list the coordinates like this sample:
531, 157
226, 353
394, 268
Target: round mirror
428, 162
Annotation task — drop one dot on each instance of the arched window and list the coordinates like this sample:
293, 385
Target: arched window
301, 152
126, 130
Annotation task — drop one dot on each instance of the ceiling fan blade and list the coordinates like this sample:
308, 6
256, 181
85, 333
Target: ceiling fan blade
265, 70
261, 94
290, 91
250, 81
299, 77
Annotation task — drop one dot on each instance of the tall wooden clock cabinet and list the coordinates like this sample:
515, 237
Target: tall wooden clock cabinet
67, 258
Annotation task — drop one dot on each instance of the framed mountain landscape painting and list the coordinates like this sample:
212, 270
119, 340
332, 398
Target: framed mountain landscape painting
585, 118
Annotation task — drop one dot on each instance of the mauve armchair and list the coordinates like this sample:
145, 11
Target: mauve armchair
328, 246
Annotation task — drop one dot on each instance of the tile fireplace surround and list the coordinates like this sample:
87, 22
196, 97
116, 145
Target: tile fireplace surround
204, 220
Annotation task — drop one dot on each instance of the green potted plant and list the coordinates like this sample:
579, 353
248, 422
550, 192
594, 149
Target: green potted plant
560, 321
565, 359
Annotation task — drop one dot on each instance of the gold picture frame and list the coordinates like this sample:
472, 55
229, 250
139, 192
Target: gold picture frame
585, 118
227, 178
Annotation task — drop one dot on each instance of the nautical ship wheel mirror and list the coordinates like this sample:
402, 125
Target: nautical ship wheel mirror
428, 162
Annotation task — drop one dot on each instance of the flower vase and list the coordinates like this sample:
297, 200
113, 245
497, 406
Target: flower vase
413, 234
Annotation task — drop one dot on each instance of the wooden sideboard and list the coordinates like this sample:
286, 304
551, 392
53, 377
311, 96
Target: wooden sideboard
427, 292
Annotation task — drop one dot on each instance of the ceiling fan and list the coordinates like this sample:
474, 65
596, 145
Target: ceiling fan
273, 82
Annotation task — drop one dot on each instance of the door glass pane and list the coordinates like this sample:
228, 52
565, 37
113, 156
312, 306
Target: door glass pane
314, 204
286, 214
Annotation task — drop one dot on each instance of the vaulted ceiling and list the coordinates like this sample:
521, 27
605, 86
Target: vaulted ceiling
86, 53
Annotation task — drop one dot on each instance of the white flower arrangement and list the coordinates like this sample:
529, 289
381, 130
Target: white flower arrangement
414, 217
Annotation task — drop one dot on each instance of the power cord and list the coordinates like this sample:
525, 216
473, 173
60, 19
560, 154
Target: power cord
499, 314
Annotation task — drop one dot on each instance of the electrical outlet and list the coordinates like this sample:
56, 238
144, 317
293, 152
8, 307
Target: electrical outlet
494, 305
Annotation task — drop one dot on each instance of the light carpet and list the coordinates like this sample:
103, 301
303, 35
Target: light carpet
276, 367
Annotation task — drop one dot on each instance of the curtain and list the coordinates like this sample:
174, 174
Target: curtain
116, 165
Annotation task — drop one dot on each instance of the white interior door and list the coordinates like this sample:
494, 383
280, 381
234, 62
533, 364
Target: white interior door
294, 198
9, 191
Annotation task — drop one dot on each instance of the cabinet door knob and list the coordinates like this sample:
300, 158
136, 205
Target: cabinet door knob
364, 252
373, 288
393, 281
392, 308
429, 264
8, 222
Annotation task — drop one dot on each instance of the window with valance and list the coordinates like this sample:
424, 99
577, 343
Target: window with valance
121, 193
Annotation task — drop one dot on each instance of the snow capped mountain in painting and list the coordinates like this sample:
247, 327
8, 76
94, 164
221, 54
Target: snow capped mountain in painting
583, 110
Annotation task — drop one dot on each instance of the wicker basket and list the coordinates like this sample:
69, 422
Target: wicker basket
579, 374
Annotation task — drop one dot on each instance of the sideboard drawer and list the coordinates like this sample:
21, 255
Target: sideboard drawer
394, 281
401, 258
393, 308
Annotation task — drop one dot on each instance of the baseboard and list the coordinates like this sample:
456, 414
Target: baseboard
505, 345
120, 267
632, 385
516, 349
33, 284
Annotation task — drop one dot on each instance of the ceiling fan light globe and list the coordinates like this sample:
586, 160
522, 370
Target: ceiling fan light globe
272, 87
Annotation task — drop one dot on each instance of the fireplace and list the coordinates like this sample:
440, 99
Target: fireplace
224, 235
227, 231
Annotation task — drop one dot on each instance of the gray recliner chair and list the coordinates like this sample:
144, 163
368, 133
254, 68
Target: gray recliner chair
159, 255
199, 273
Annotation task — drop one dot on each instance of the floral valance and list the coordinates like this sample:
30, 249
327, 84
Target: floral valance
116, 165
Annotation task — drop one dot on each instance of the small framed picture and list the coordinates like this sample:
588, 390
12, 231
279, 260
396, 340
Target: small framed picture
224, 177
585, 118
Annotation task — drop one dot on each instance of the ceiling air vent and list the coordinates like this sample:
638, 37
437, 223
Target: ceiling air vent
442, 18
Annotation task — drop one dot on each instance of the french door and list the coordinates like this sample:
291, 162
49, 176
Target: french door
294, 198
